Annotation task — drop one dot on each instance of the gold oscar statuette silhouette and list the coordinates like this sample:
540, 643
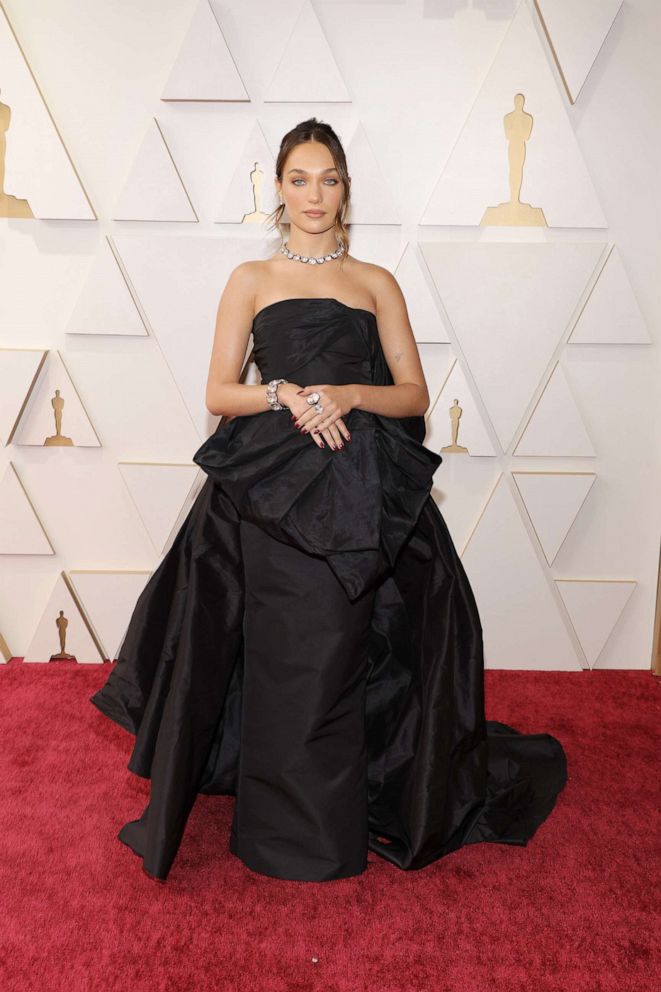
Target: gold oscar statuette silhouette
455, 416
62, 623
10, 206
518, 127
58, 439
257, 216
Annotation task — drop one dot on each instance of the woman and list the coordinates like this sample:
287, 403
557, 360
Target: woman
310, 643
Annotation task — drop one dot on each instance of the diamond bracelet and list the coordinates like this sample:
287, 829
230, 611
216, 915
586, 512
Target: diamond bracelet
272, 394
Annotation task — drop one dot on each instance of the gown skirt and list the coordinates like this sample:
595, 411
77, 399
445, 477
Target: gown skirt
310, 644
301, 802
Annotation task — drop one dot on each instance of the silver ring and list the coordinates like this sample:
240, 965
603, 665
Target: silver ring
318, 408
312, 398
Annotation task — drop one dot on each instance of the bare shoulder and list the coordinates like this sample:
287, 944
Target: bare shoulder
371, 281
382, 285
242, 287
245, 275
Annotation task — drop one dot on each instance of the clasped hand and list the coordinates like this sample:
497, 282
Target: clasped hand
336, 402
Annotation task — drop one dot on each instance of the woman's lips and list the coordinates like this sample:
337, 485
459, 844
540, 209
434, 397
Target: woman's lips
314, 213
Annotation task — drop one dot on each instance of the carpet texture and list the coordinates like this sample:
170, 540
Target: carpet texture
577, 910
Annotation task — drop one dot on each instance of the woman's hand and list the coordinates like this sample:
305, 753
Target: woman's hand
335, 400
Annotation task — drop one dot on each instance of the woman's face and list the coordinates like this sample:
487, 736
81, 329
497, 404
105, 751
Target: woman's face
311, 187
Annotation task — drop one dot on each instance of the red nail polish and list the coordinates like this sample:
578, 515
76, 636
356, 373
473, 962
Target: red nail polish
322, 445
304, 431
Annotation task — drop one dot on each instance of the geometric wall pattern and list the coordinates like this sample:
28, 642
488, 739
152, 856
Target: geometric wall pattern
159, 493
107, 600
595, 607
307, 57
553, 500
611, 314
21, 532
204, 68
6, 654
423, 310
153, 189
510, 330
509, 583
555, 427
494, 309
576, 32
106, 304
456, 411
372, 198
475, 176
53, 414
63, 629
195, 269
19, 369
40, 179
249, 197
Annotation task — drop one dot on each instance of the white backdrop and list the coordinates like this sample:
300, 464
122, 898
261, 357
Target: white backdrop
547, 335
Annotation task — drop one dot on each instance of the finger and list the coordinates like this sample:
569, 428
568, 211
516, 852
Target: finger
323, 423
318, 440
344, 430
337, 437
328, 416
328, 439
308, 416
309, 420
303, 419
332, 441
308, 425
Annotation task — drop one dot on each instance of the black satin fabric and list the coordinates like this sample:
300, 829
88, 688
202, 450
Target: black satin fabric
411, 769
301, 789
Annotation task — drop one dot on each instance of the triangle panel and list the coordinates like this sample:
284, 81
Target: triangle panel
204, 69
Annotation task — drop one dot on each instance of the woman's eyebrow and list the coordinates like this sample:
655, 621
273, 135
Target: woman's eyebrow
331, 169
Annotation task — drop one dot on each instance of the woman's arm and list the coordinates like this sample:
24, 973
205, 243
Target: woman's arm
400, 400
409, 396
225, 395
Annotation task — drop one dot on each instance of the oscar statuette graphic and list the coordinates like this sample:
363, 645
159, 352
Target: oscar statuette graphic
10, 206
455, 417
62, 623
58, 439
257, 216
518, 128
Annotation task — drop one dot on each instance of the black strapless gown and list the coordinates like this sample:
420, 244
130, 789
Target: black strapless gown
311, 645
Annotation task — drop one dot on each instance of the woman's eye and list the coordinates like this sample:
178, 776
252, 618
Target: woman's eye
330, 179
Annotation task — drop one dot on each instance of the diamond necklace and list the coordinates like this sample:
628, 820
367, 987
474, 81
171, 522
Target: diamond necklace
309, 258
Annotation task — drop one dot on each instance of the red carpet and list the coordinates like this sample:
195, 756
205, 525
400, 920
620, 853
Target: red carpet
574, 911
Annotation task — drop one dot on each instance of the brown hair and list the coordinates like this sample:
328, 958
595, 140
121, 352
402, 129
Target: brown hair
314, 130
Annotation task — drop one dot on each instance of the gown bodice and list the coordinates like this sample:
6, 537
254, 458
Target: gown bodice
354, 506
315, 340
